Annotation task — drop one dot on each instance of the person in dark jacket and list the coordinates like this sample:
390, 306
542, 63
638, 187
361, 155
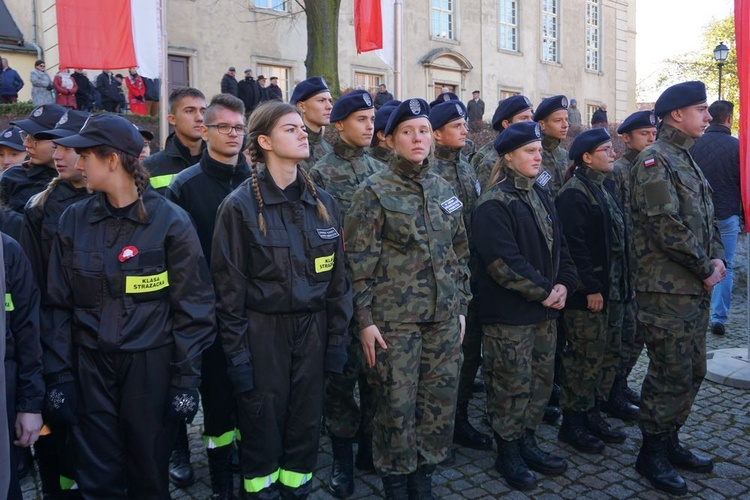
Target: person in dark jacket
313, 98
599, 118
273, 91
383, 96
10, 83
283, 304
84, 99
229, 82
184, 147
250, 92
109, 90
595, 231
132, 311
525, 266
199, 190
717, 154
153, 93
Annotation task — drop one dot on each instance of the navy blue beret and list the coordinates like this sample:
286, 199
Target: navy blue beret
446, 112
445, 96
11, 138
382, 115
308, 88
349, 103
508, 108
587, 141
41, 118
549, 106
678, 96
639, 119
517, 135
69, 124
407, 110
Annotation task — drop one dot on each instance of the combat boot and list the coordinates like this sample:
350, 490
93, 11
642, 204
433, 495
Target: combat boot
573, 431
180, 470
617, 405
630, 394
220, 471
512, 467
599, 427
363, 461
419, 483
552, 412
686, 459
538, 459
653, 464
465, 434
341, 481
395, 487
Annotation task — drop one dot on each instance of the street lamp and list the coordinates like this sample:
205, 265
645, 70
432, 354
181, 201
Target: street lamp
721, 52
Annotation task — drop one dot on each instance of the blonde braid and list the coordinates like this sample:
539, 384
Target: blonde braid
40, 199
256, 188
140, 176
322, 210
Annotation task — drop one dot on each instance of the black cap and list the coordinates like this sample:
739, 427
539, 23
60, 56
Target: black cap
446, 112
445, 96
517, 135
549, 106
69, 124
508, 108
407, 110
383, 114
586, 141
638, 120
308, 88
43, 117
11, 138
231, 68
678, 96
356, 100
106, 130
146, 134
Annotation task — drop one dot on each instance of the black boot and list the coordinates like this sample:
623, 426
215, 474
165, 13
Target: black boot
686, 459
617, 405
395, 487
341, 481
539, 460
220, 471
653, 464
180, 471
631, 395
573, 431
363, 461
552, 412
419, 483
465, 434
510, 464
597, 426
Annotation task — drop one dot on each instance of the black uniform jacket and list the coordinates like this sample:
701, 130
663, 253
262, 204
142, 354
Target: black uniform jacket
21, 182
297, 266
173, 159
116, 284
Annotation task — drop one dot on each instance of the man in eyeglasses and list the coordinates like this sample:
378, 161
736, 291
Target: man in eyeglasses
200, 189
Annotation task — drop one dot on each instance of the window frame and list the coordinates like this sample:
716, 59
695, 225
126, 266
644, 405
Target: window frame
596, 65
269, 5
452, 15
514, 28
554, 17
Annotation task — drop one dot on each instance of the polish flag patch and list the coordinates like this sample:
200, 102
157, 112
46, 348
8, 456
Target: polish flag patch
649, 162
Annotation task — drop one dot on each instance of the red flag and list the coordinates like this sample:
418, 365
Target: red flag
742, 39
95, 34
368, 25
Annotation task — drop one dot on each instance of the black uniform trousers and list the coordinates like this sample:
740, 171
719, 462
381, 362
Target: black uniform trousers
219, 404
11, 374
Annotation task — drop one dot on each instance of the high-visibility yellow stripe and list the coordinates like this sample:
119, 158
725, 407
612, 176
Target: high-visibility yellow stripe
161, 181
237, 435
213, 442
292, 479
67, 483
9, 303
256, 484
143, 284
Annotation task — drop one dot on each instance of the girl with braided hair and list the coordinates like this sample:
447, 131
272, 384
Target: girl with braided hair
132, 309
283, 304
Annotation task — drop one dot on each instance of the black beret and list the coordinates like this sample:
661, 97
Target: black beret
445, 96
508, 108
639, 119
517, 135
549, 106
108, 130
446, 112
308, 88
347, 104
43, 117
678, 96
69, 124
383, 114
586, 141
11, 138
407, 110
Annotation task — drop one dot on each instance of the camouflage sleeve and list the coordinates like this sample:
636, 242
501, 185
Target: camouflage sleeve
316, 177
461, 248
655, 197
484, 170
362, 232
574, 210
505, 262
717, 246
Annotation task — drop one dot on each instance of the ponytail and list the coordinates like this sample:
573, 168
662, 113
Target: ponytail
256, 188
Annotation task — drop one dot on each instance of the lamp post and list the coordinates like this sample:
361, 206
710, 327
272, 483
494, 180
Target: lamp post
721, 52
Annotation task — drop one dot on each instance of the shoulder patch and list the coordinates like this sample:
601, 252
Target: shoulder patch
477, 187
649, 162
451, 205
543, 178
328, 234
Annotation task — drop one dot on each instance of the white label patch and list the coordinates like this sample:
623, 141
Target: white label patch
328, 234
451, 205
544, 178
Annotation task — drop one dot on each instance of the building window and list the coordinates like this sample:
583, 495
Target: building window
368, 81
504, 94
593, 35
550, 30
442, 18
281, 72
508, 24
279, 5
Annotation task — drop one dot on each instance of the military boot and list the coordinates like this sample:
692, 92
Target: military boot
617, 405
512, 467
363, 461
630, 394
220, 471
599, 427
686, 459
573, 431
180, 470
395, 487
465, 434
653, 464
552, 412
538, 459
419, 483
341, 481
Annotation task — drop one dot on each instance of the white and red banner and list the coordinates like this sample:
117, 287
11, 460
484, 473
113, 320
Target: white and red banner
742, 40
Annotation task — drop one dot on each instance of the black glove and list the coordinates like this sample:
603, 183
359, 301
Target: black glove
335, 355
60, 403
183, 404
242, 377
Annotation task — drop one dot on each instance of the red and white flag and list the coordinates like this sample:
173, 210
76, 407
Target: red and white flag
742, 38
368, 25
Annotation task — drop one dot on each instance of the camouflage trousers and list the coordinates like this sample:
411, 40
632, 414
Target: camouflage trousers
472, 349
343, 417
415, 382
632, 339
518, 371
675, 333
592, 355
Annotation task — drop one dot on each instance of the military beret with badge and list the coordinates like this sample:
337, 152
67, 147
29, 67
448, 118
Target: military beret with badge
636, 121
508, 108
410, 109
446, 112
679, 96
352, 102
549, 106
517, 135
308, 88
587, 141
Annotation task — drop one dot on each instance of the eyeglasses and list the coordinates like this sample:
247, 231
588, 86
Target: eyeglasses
226, 129
26, 137
608, 150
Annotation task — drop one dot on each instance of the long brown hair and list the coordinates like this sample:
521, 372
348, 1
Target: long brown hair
132, 166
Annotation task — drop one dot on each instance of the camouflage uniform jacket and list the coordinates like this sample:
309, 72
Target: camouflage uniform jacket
406, 246
481, 153
341, 171
674, 228
621, 179
319, 147
451, 166
380, 153
484, 168
469, 150
554, 165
